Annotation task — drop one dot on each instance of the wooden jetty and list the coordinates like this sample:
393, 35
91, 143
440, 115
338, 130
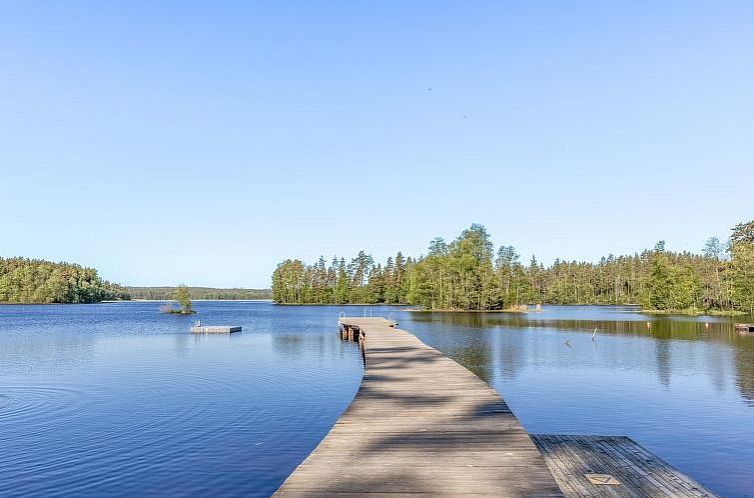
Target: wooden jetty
214, 329
421, 425
612, 467
744, 327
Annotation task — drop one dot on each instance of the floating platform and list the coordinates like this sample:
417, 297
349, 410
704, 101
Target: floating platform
214, 329
744, 327
612, 467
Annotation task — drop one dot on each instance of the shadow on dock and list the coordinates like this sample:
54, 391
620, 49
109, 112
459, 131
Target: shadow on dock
422, 425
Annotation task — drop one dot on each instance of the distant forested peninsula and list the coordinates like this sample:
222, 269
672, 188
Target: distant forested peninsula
36, 281
469, 274
167, 293
24, 280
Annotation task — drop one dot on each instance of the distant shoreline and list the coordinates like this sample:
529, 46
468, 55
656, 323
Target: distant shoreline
7, 303
337, 304
193, 300
407, 307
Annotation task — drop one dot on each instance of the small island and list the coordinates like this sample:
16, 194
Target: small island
183, 297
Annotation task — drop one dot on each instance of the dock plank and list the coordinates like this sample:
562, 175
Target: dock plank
641, 474
420, 425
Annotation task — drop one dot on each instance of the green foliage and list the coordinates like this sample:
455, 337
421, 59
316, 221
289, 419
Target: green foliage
743, 233
661, 276
742, 267
468, 274
183, 297
166, 293
24, 280
358, 281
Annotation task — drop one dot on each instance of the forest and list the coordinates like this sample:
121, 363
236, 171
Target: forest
167, 293
468, 273
24, 280
29, 281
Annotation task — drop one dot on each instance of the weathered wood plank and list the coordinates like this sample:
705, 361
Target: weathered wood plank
420, 425
641, 474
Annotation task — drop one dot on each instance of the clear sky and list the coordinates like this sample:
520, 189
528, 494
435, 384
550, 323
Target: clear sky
203, 142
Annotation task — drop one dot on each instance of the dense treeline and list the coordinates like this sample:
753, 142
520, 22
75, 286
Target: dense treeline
24, 280
469, 274
359, 281
167, 293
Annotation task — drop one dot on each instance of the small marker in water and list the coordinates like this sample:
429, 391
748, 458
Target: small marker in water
649, 325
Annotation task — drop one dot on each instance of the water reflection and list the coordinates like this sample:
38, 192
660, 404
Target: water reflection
471, 337
120, 400
681, 386
662, 355
181, 342
744, 357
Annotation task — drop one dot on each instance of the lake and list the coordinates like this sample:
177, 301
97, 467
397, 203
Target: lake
119, 400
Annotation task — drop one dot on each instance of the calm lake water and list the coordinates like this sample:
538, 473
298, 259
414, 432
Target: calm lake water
120, 400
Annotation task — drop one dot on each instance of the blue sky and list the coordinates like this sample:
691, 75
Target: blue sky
203, 142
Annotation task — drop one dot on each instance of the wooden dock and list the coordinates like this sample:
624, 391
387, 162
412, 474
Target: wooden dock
613, 467
214, 329
421, 425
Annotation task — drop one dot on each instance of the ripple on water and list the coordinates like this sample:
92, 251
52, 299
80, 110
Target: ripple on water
171, 414
38, 403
